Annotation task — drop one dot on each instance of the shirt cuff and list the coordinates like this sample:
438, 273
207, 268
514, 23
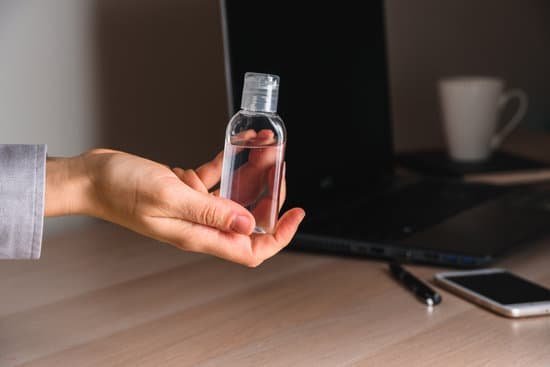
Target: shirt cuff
22, 192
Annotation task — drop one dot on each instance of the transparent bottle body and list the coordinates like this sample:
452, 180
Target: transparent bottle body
253, 162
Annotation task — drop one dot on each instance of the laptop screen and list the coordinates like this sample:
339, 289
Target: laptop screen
333, 97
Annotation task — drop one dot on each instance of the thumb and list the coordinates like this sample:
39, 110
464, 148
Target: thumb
212, 211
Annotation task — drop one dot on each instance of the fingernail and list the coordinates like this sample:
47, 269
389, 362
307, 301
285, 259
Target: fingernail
241, 224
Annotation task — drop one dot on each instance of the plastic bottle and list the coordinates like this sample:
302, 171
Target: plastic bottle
253, 159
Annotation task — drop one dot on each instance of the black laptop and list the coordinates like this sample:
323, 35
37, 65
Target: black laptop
334, 99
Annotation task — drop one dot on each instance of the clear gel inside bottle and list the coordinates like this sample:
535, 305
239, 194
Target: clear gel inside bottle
254, 152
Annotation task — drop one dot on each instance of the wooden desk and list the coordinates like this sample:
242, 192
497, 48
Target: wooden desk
102, 296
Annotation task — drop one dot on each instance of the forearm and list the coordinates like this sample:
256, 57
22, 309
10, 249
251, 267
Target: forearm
67, 187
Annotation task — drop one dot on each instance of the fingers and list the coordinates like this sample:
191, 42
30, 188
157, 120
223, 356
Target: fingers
268, 206
288, 225
211, 172
265, 156
191, 178
202, 239
242, 138
265, 246
265, 213
242, 249
226, 215
244, 135
203, 178
282, 198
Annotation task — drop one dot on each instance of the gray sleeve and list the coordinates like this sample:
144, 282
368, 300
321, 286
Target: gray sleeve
22, 189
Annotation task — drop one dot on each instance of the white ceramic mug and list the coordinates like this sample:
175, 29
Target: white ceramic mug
470, 108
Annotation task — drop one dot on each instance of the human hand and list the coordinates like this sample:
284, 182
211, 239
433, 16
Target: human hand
257, 175
150, 199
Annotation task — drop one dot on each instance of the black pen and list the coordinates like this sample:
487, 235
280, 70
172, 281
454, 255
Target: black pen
420, 289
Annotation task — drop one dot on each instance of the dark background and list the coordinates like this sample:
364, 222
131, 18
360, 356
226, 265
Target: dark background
161, 84
147, 76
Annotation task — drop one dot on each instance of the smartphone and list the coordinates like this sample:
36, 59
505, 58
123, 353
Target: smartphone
498, 290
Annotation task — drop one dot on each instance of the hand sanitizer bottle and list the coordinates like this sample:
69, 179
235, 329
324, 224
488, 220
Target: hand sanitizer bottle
253, 158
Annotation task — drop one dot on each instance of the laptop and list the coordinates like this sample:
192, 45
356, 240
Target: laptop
335, 100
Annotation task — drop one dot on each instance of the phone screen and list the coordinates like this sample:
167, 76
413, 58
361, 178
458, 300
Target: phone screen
503, 287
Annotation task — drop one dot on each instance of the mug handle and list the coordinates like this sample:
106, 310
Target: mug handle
499, 137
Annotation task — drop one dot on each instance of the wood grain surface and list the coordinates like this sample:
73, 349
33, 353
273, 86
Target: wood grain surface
102, 296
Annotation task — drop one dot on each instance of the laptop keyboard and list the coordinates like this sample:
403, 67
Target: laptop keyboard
406, 210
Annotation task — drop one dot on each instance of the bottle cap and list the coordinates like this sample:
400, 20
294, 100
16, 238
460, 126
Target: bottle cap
260, 92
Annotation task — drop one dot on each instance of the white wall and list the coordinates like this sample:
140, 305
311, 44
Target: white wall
47, 79
46, 74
